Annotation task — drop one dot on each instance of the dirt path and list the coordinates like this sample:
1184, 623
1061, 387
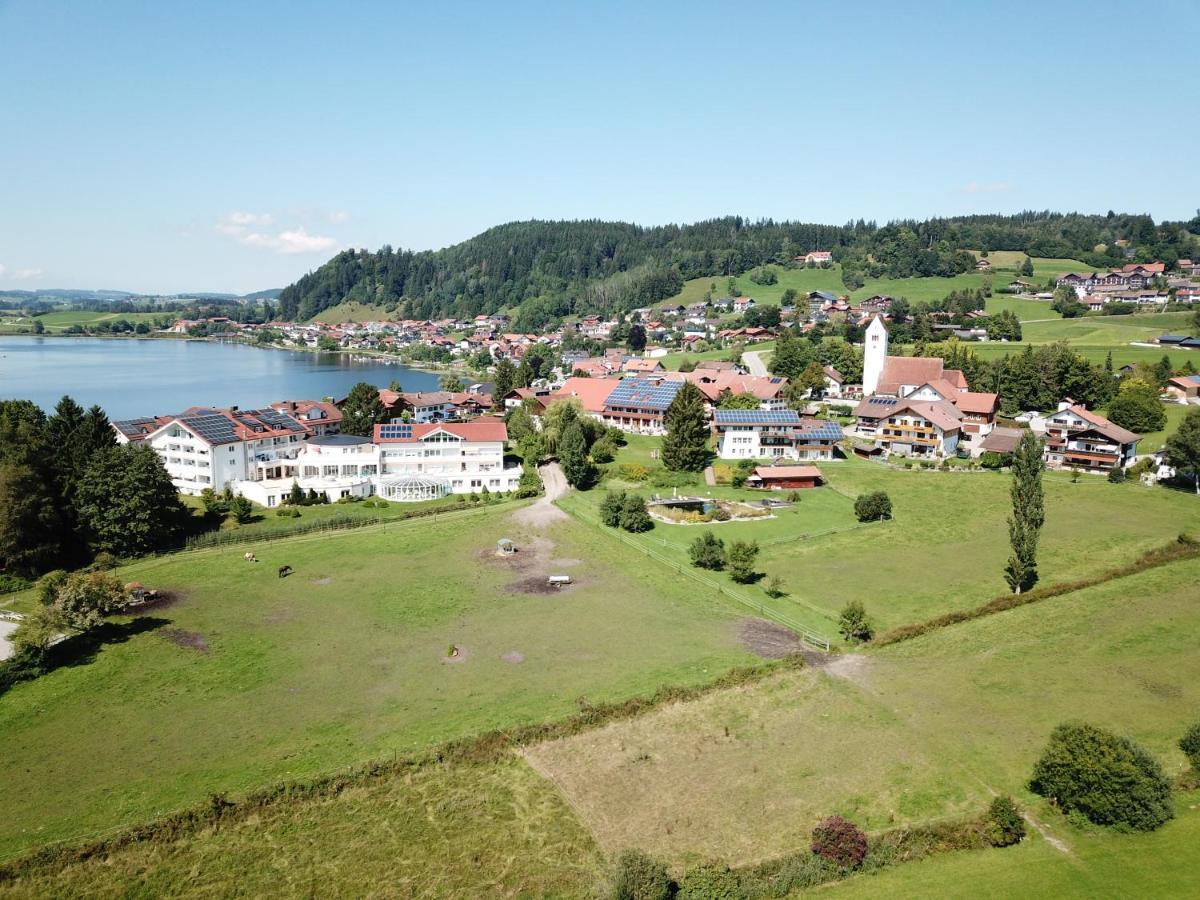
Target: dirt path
754, 362
710, 477
543, 512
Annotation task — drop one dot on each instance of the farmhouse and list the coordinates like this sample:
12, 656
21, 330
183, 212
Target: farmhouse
637, 405
1079, 439
816, 257
778, 478
908, 427
779, 434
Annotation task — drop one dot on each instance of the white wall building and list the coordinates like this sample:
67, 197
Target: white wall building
874, 355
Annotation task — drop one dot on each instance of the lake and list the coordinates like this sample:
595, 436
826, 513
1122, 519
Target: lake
131, 378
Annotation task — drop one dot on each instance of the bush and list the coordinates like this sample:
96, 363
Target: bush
1107, 778
707, 551
992, 460
242, 509
103, 562
776, 588
873, 507
11, 583
381, 504
288, 512
840, 842
854, 624
1116, 475
610, 508
633, 472
1190, 745
711, 882
1005, 826
738, 478
640, 877
634, 516
721, 514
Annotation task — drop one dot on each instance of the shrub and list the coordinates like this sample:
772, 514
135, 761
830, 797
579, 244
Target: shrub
632, 472
707, 551
992, 460
873, 507
775, 587
640, 877
738, 478
1190, 745
711, 882
1107, 778
634, 516
840, 842
11, 583
381, 504
242, 510
854, 624
1005, 826
104, 561
610, 508
287, 512
721, 514
1116, 475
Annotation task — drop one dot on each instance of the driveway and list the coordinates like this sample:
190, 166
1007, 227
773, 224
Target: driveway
754, 362
542, 512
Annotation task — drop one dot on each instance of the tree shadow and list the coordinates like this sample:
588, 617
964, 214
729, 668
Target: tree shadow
77, 650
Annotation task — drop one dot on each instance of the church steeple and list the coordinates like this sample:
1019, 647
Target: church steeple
874, 355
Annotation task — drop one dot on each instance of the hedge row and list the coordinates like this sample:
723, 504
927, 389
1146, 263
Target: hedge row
482, 749
1183, 547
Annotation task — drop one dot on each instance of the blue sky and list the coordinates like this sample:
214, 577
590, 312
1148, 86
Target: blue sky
233, 146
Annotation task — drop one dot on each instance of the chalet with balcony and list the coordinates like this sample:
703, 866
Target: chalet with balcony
773, 434
906, 427
1077, 438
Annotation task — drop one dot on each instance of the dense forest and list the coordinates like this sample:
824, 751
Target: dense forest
548, 270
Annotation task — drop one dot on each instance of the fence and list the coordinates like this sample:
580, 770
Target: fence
806, 635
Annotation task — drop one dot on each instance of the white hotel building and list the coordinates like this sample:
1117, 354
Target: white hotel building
260, 454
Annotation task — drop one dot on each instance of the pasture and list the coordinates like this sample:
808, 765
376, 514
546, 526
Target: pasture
905, 734
245, 678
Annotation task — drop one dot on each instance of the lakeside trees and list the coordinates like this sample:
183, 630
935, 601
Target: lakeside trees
67, 491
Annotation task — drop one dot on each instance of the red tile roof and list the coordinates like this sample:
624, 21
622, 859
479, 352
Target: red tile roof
592, 392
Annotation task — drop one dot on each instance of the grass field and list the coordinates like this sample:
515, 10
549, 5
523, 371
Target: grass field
250, 678
944, 550
905, 734
672, 360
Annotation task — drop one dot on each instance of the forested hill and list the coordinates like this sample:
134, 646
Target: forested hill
554, 269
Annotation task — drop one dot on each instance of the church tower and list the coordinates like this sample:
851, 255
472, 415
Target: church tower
874, 354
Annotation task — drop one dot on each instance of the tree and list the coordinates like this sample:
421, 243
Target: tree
1190, 745
685, 445
1107, 778
1183, 447
572, 456
742, 555
729, 400
640, 877
242, 509
38, 327
637, 338
1028, 513
530, 484
363, 410
840, 842
31, 537
505, 379
812, 379
326, 344
127, 504
610, 508
873, 507
707, 551
453, 383
1027, 268
1137, 407
83, 599
295, 496
634, 515
36, 630
854, 624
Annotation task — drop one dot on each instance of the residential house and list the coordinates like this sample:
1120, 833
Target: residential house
779, 433
1077, 438
638, 405
816, 257
908, 427
769, 390
983, 265
590, 392
318, 416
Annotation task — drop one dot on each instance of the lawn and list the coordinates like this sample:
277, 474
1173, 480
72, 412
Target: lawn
672, 361
906, 734
249, 678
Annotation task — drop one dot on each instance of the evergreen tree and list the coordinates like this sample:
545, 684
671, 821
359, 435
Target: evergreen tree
1028, 513
742, 555
295, 495
707, 551
685, 445
637, 338
610, 508
572, 456
634, 515
363, 410
1027, 268
30, 526
127, 504
505, 379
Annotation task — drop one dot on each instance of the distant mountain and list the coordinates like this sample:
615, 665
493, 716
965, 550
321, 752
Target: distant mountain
67, 294
548, 270
83, 295
271, 294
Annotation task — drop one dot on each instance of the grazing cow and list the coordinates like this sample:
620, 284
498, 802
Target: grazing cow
285, 571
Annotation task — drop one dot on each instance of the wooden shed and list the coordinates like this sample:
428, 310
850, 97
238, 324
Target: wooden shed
778, 478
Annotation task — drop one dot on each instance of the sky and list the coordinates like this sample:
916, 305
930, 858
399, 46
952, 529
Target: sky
233, 146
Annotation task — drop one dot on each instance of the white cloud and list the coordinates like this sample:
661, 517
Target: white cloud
992, 187
290, 242
19, 274
248, 229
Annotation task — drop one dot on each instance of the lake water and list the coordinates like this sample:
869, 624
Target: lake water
131, 378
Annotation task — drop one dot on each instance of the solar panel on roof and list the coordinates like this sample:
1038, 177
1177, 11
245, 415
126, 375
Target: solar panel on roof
394, 432
757, 416
648, 394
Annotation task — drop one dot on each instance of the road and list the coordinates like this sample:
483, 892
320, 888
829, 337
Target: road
754, 362
543, 512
